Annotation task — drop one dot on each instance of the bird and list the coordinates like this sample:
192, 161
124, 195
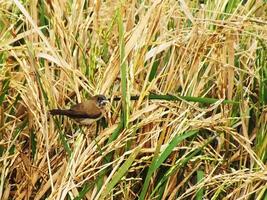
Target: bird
86, 112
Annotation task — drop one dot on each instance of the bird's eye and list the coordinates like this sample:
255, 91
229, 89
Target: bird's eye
101, 100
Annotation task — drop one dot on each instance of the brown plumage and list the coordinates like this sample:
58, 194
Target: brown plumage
85, 112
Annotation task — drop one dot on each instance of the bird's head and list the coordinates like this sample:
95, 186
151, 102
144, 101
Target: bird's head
101, 100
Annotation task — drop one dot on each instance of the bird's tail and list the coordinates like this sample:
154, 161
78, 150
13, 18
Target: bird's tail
60, 112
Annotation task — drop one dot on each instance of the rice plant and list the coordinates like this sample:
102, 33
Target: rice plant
187, 86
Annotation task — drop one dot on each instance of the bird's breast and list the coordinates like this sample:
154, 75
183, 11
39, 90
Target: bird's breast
86, 121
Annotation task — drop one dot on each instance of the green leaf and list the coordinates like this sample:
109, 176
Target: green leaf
85, 188
5, 86
175, 141
153, 71
181, 163
190, 99
108, 157
65, 144
200, 192
162, 157
123, 70
120, 173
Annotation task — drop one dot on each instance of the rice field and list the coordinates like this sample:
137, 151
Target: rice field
187, 87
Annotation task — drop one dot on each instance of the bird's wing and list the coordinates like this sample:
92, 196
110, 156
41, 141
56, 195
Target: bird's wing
85, 110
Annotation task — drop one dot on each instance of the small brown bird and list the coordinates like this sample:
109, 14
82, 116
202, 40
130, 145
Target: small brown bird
86, 112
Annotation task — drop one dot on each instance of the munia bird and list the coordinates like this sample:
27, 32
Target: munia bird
85, 112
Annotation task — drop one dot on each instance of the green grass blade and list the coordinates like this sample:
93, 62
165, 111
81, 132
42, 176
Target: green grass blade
183, 162
162, 157
85, 188
119, 174
65, 144
108, 157
190, 99
153, 71
124, 71
262, 65
176, 140
4, 90
200, 192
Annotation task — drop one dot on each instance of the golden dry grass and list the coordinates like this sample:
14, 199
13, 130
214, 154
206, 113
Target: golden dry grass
56, 53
